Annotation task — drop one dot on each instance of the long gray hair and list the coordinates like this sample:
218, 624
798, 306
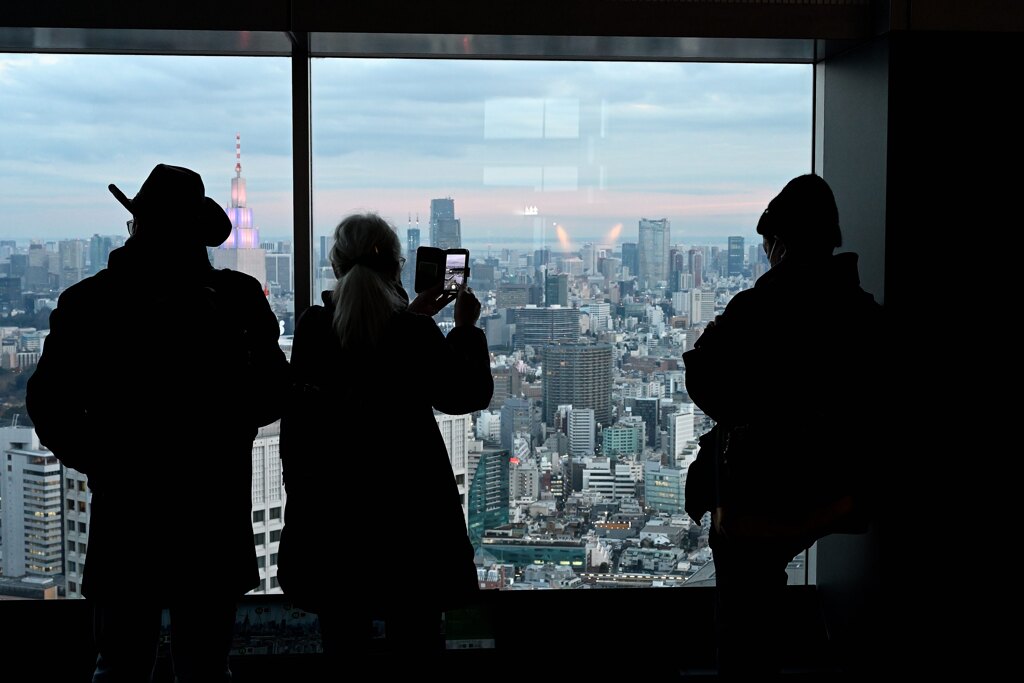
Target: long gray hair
365, 258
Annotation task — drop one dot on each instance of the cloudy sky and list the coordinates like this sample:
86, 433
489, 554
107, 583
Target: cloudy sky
589, 147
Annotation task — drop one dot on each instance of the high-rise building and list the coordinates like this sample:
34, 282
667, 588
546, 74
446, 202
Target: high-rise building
516, 418
537, 327
664, 487
445, 228
680, 432
581, 431
696, 297
507, 384
488, 491
647, 409
524, 480
735, 257
600, 316
77, 510
697, 267
457, 431
71, 255
707, 304
556, 289
412, 243
512, 295
241, 250
324, 255
268, 501
676, 268
588, 254
10, 293
580, 375
631, 258
99, 249
31, 510
279, 271
653, 248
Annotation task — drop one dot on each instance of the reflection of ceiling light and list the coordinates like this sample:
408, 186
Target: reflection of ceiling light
531, 211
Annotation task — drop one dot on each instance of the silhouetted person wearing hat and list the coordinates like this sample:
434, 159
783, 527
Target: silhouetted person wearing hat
788, 372
155, 377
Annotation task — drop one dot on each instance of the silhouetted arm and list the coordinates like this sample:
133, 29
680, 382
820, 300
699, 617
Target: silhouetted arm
721, 377
268, 367
56, 393
459, 371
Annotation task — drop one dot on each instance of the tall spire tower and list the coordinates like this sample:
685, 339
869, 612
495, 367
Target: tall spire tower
241, 250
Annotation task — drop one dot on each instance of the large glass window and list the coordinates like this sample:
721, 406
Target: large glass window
72, 124
609, 209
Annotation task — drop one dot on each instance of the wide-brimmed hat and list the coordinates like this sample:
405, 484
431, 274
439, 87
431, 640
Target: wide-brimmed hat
176, 195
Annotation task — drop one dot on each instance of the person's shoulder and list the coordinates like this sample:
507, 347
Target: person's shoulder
235, 280
85, 291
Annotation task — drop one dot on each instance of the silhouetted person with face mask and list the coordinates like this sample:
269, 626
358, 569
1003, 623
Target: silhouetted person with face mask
374, 529
154, 379
788, 372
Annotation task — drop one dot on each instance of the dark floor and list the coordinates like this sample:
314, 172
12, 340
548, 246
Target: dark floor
649, 634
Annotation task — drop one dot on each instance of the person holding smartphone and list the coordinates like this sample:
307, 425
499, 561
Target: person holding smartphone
369, 369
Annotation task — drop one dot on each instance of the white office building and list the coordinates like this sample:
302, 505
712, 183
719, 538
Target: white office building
457, 432
268, 501
30, 486
581, 431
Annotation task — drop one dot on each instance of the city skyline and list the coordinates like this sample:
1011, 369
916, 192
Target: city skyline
585, 148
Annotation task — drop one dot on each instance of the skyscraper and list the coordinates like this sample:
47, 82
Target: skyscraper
631, 258
488, 491
268, 500
735, 258
697, 267
99, 250
676, 267
71, 255
580, 375
537, 327
77, 508
647, 408
412, 243
581, 431
556, 289
445, 228
241, 250
680, 432
516, 418
31, 494
653, 247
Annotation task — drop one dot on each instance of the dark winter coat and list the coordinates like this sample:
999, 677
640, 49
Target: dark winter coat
373, 507
156, 374
790, 371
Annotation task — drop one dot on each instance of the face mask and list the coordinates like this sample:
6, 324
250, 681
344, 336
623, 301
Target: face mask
776, 252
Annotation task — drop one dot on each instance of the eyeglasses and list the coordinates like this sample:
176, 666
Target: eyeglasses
401, 262
131, 227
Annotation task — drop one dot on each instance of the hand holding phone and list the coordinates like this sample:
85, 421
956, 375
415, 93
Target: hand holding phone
467, 308
431, 301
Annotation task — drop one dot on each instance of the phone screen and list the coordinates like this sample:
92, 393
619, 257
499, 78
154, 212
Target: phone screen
454, 271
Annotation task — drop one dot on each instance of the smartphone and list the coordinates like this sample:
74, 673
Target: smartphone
456, 269
430, 263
